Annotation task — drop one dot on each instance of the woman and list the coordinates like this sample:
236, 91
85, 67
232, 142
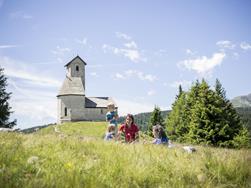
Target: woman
129, 130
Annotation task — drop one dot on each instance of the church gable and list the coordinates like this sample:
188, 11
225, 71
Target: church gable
76, 59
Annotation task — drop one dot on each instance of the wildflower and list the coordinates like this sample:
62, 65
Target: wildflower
68, 165
32, 160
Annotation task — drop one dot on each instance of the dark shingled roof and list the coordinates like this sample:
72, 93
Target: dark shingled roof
74, 59
101, 102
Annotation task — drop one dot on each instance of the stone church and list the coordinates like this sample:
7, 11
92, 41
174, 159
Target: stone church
73, 105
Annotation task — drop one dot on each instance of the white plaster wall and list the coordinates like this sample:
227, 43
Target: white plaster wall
75, 108
95, 114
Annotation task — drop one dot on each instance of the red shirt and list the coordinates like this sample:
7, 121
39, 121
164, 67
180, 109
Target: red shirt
130, 132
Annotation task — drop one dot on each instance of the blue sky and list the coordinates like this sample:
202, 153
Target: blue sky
137, 52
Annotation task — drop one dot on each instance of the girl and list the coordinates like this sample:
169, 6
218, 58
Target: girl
110, 134
159, 135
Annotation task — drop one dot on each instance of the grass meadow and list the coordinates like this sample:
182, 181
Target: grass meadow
77, 156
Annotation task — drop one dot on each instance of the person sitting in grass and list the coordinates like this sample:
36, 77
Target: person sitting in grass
110, 134
159, 135
129, 131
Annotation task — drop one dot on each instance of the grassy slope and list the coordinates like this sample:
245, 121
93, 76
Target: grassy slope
78, 157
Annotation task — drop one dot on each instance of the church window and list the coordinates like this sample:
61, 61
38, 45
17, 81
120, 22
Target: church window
65, 111
77, 68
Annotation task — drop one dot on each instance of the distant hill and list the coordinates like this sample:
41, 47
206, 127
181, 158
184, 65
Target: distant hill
242, 101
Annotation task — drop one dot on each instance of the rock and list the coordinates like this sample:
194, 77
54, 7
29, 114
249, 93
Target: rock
189, 149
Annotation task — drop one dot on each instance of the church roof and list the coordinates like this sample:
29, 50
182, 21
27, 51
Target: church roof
98, 102
77, 57
72, 86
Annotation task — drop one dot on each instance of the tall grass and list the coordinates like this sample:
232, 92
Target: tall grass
69, 159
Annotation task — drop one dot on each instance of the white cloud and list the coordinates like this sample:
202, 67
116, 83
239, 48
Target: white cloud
130, 49
141, 75
160, 52
119, 76
7, 46
190, 52
21, 71
133, 54
203, 65
20, 15
132, 107
184, 83
135, 107
131, 44
60, 51
245, 46
225, 44
94, 74
123, 36
151, 92
138, 74
81, 41
32, 104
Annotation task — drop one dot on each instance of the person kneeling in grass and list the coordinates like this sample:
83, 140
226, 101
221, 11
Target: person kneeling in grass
129, 131
110, 133
159, 135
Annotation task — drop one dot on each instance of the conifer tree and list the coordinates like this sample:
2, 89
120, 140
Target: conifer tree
155, 119
201, 126
204, 115
233, 132
4, 105
177, 120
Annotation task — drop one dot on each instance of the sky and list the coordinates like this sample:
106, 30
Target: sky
137, 52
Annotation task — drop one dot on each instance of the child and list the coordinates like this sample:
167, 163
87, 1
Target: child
159, 135
110, 134
112, 115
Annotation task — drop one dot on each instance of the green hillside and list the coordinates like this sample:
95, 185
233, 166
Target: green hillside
75, 155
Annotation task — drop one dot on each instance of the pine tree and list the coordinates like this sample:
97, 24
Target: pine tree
232, 126
4, 105
155, 119
204, 115
177, 120
201, 126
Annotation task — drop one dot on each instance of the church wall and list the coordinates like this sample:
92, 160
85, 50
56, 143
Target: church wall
75, 107
95, 114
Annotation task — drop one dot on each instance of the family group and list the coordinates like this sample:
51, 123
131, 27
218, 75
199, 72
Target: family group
128, 131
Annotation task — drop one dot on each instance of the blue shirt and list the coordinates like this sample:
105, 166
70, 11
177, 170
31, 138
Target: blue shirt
110, 116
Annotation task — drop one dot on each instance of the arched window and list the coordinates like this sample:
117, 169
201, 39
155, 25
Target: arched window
77, 68
65, 111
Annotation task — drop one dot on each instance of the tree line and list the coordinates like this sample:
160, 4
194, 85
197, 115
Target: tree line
203, 115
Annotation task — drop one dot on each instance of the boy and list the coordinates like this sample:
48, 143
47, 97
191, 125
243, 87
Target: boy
112, 115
